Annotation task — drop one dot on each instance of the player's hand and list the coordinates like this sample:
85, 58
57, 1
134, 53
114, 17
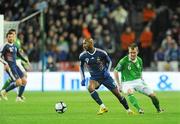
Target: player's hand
6, 67
28, 64
119, 86
83, 82
106, 74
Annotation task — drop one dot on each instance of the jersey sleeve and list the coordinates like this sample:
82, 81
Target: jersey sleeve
21, 56
108, 61
2, 49
18, 43
82, 67
119, 66
141, 63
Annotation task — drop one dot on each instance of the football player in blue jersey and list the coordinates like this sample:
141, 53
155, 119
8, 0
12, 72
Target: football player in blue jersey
21, 64
99, 65
8, 56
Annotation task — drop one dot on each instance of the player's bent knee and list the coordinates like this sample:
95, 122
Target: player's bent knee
91, 89
24, 81
25, 74
130, 91
18, 82
152, 95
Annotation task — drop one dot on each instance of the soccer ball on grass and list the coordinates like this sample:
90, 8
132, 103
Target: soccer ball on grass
60, 107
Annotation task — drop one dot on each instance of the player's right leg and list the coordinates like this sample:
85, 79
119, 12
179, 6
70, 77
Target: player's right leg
19, 98
10, 87
21, 89
128, 89
15, 77
91, 88
122, 100
135, 103
7, 83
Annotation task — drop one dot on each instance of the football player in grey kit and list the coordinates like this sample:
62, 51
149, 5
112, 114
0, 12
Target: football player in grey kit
99, 64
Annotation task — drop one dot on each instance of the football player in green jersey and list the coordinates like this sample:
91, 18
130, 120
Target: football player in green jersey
17, 42
131, 67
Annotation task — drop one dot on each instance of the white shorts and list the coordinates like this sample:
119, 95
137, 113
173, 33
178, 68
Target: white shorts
136, 85
19, 64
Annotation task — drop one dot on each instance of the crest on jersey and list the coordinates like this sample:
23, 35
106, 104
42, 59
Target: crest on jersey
11, 49
98, 59
138, 65
15, 49
87, 60
129, 66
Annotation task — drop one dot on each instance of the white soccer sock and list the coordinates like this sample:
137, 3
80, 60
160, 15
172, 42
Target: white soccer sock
102, 106
129, 110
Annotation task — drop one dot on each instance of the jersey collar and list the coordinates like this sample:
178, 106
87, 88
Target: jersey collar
132, 60
11, 44
93, 52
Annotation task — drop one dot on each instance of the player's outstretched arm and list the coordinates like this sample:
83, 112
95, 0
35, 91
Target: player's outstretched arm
116, 76
109, 63
1, 57
6, 66
82, 73
21, 56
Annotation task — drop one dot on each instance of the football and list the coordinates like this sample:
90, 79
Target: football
60, 107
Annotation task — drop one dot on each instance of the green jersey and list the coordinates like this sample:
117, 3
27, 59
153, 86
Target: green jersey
17, 43
129, 70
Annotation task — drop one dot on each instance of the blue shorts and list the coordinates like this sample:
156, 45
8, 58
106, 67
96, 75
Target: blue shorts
108, 82
15, 73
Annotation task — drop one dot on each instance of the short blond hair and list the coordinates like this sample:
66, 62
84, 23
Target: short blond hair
133, 46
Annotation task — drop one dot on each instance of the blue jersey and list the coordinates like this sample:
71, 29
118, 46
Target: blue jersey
97, 63
8, 56
9, 53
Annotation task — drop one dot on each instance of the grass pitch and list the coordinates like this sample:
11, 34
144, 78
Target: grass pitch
39, 109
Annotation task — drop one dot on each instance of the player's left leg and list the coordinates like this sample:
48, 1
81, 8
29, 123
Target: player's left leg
155, 102
109, 83
144, 89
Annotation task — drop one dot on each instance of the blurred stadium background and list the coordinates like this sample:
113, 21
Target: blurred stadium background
153, 24
52, 38
53, 51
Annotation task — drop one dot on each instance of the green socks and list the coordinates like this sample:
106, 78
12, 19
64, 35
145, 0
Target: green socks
133, 101
8, 81
155, 101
